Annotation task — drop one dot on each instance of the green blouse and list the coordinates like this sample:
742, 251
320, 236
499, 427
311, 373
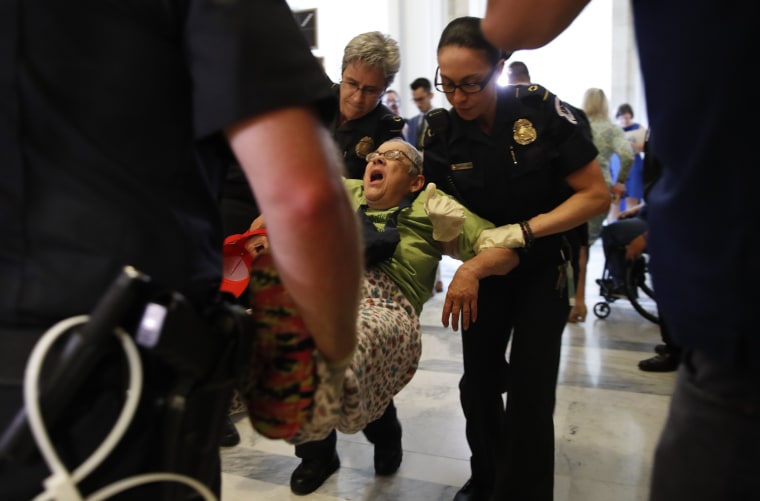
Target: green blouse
414, 263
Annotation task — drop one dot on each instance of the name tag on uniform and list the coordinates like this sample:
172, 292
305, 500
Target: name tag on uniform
462, 166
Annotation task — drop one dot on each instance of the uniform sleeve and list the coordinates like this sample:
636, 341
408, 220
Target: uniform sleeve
235, 74
435, 161
571, 130
390, 126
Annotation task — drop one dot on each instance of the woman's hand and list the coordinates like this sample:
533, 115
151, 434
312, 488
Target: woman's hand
461, 299
577, 313
256, 245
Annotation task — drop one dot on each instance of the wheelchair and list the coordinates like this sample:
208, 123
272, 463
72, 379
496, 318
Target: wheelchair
636, 288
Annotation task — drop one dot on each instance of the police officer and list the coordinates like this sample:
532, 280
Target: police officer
509, 154
370, 63
111, 160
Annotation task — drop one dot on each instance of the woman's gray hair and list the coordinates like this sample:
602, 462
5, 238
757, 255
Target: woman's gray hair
413, 154
376, 51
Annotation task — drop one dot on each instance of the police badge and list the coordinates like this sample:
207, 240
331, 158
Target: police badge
524, 131
364, 147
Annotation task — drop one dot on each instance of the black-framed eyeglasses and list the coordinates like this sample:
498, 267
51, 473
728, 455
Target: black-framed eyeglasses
392, 155
353, 87
466, 87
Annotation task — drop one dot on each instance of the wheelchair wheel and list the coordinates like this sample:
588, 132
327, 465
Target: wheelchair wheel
638, 288
602, 309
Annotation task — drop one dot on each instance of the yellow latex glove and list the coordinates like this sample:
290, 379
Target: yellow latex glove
509, 236
446, 214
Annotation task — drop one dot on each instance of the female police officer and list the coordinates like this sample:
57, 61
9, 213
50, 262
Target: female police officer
509, 154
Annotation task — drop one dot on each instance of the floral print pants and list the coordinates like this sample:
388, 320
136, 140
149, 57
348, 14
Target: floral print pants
389, 345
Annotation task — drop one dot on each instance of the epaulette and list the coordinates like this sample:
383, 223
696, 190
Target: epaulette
393, 123
531, 91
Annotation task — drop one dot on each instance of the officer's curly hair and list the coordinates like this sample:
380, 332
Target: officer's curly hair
466, 32
375, 50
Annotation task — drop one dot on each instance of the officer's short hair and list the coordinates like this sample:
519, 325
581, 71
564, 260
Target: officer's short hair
376, 50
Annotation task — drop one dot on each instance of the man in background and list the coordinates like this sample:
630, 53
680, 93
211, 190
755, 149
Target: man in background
392, 100
416, 127
517, 73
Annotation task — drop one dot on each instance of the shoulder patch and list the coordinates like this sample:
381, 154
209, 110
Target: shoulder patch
564, 111
394, 123
531, 90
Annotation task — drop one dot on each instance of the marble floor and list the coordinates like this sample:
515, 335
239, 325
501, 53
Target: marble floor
607, 420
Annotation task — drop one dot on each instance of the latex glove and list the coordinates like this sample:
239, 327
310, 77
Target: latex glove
446, 214
509, 236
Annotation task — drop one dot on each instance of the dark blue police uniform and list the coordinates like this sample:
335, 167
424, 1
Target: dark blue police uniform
357, 138
516, 172
704, 235
110, 134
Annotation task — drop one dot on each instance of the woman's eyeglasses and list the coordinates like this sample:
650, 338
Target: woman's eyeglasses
467, 87
392, 155
353, 87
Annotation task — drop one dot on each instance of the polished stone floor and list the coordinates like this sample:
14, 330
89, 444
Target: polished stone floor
607, 420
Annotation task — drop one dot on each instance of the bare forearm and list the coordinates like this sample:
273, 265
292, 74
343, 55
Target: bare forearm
491, 261
591, 198
312, 229
523, 24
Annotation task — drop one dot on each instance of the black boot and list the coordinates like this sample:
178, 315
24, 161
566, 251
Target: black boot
319, 460
388, 455
385, 434
312, 473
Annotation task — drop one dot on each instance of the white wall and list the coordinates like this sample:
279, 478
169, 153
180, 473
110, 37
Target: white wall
597, 50
338, 21
578, 58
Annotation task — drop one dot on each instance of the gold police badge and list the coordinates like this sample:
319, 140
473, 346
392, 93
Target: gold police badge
524, 131
364, 147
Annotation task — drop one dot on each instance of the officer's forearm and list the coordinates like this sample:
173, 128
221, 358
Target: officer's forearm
492, 261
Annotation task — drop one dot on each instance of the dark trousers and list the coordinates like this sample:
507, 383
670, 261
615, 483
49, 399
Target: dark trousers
513, 448
381, 431
89, 416
708, 450
615, 237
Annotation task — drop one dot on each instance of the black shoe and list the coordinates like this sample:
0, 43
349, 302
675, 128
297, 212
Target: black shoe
312, 473
230, 436
661, 349
388, 458
469, 492
659, 363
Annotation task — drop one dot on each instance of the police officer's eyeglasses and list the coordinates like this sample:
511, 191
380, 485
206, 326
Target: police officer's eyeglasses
392, 155
352, 87
467, 87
